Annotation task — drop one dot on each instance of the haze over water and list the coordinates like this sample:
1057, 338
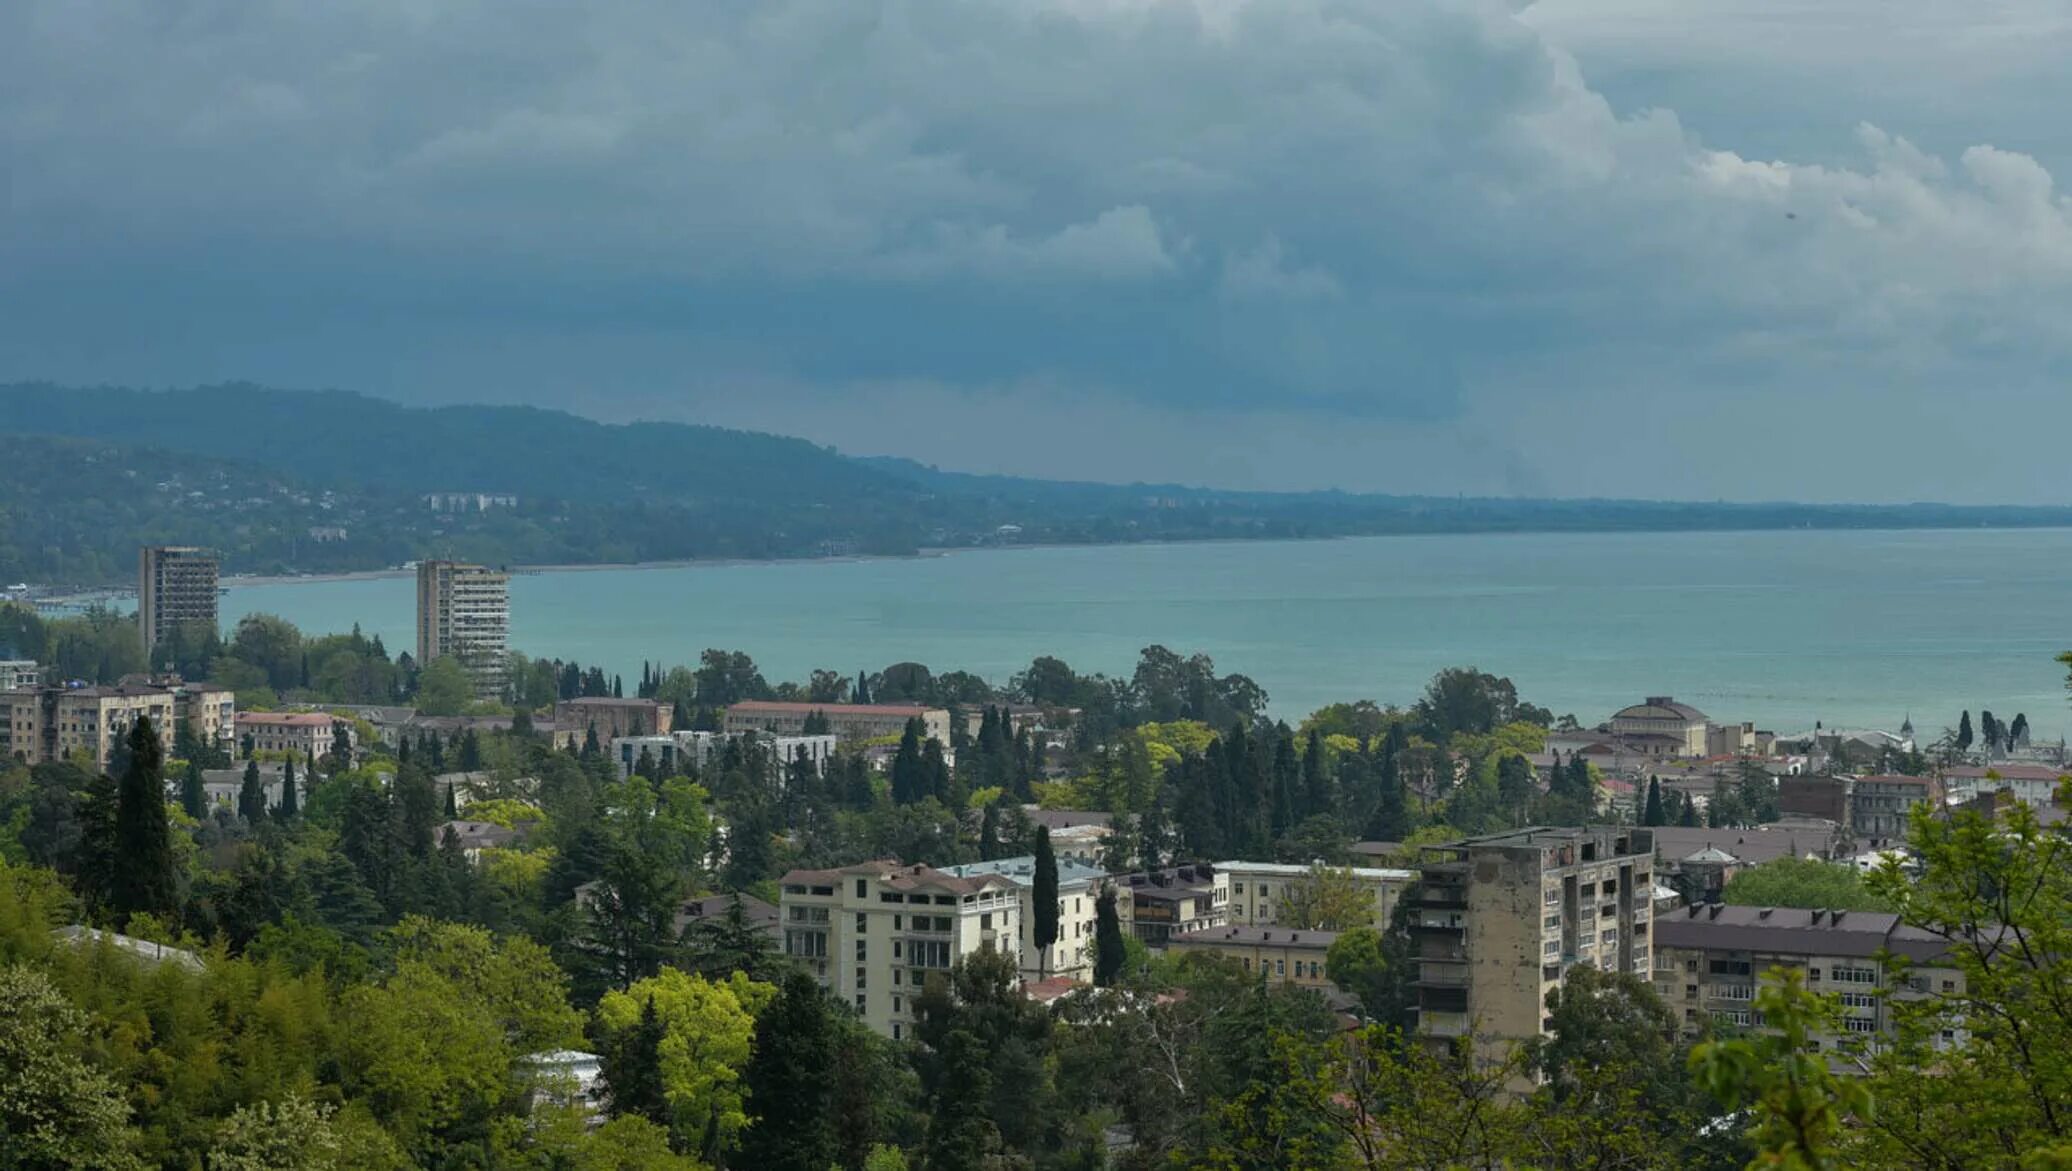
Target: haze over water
1783, 628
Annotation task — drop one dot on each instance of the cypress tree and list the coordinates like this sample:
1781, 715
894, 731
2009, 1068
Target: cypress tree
143, 862
342, 747
863, 687
452, 803
287, 782
521, 724
251, 797
1964, 732
1652, 815
291, 794
989, 834
1108, 942
633, 1070
908, 784
1044, 900
787, 1079
194, 797
1689, 817
1316, 783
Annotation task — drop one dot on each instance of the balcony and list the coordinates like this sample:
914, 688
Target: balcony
1443, 1024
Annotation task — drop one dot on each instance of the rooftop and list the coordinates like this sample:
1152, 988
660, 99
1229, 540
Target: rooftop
1297, 870
1660, 707
1022, 870
899, 876
287, 719
775, 707
1794, 931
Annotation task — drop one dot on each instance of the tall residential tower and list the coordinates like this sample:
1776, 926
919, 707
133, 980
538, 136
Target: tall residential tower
465, 611
175, 584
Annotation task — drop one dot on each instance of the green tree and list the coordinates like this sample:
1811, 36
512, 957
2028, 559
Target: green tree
143, 861
1043, 900
1652, 814
787, 1081
1327, 898
633, 1068
1109, 948
444, 688
1800, 1107
708, 1031
194, 795
292, 1135
1803, 882
291, 793
56, 1111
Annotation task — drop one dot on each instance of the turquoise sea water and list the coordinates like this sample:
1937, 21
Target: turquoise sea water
1852, 628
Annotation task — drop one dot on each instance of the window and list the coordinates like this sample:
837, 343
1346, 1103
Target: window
861, 890
863, 923
1859, 1000
1551, 922
1690, 965
861, 978
1734, 991
862, 950
1855, 975
1237, 888
985, 921
897, 923
895, 1030
1690, 992
1949, 986
1733, 1016
1728, 967
895, 1002
1860, 1024
1280, 967
1262, 890
895, 949
860, 1002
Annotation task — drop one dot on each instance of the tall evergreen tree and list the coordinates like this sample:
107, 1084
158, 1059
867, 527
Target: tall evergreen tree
1316, 783
251, 794
1689, 817
143, 862
452, 803
788, 1084
1043, 898
1652, 814
863, 687
194, 795
342, 747
989, 833
287, 781
1108, 943
633, 1070
908, 782
291, 794
1964, 732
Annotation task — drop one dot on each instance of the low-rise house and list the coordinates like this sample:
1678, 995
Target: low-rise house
477, 836
1079, 834
1259, 891
850, 721
567, 1078
1277, 953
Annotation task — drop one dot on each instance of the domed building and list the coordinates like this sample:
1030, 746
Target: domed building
1660, 726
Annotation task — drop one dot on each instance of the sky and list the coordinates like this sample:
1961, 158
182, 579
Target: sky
1739, 249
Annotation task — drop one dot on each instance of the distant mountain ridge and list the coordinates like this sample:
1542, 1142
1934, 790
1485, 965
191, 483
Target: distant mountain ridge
323, 481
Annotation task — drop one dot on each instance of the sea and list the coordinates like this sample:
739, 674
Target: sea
1857, 629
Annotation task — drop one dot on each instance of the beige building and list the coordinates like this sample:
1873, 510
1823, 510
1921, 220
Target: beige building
16, 673
611, 716
1276, 953
873, 934
850, 721
210, 713
46, 724
1709, 961
1175, 901
1499, 920
1660, 726
175, 584
1079, 892
1259, 890
1879, 806
465, 611
306, 734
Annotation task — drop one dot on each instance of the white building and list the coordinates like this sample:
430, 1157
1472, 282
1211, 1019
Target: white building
1259, 890
309, 735
873, 934
568, 1077
697, 750
1079, 891
465, 611
19, 673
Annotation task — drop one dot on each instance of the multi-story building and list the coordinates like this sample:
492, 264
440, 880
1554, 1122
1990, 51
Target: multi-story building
46, 724
611, 717
1500, 919
1079, 892
873, 934
674, 751
850, 721
1277, 953
1710, 960
1175, 901
175, 584
465, 611
15, 673
1879, 805
309, 735
1259, 890
210, 713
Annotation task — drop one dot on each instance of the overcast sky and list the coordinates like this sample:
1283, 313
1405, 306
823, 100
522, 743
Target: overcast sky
1751, 249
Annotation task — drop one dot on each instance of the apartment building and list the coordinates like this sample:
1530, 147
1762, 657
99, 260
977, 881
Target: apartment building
308, 735
1709, 961
210, 712
611, 717
465, 611
1175, 901
175, 584
1498, 920
849, 721
1259, 890
45, 724
1079, 892
873, 934
676, 751
15, 673
1277, 953
1879, 806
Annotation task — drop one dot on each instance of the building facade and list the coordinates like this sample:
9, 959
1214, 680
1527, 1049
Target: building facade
175, 584
308, 735
874, 934
210, 713
18, 673
1678, 729
1175, 901
849, 721
611, 717
1879, 806
1259, 890
465, 611
1071, 956
43, 725
680, 751
1499, 920
1710, 960
1276, 953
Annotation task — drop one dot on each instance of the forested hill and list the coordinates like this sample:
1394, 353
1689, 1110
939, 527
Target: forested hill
286, 481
